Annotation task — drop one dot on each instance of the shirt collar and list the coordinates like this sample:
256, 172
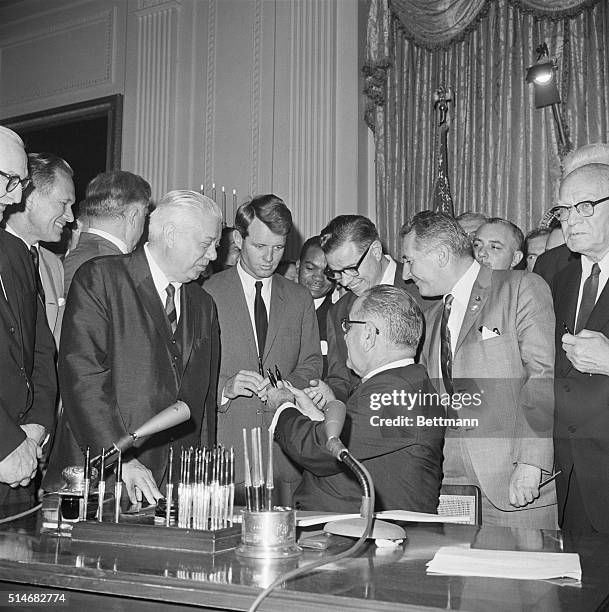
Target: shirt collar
462, 289
389, 275
248, 281
587, 264
113, 239
159, 278
398, 363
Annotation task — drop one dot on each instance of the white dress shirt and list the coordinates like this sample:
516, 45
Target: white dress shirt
587, 264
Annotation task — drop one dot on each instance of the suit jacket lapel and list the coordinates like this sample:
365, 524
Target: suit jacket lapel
275, 315
566, 305
433, 360
477, 300
189, 323
50, 295
8, 283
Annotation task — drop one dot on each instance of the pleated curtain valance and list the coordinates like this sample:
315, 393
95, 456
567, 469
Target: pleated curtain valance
438, 23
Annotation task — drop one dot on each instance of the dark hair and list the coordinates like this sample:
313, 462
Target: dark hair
313, 241
348, 228
43, 168
400, 315
535, 233
516, 231
109, 194
433, 229
269, 209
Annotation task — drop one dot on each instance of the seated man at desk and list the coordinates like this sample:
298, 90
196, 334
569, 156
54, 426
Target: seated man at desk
389, 425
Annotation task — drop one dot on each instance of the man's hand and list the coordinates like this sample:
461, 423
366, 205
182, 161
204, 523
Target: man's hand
244, 383
588, 351
18, 468
35, 431
139, 480
307, 407
524, 485
276, 397
319, 392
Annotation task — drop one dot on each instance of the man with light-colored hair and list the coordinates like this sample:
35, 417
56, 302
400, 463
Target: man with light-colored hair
28, 383
138, 334
42, 215
581, 303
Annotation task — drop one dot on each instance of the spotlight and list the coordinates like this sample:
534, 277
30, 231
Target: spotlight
542, 76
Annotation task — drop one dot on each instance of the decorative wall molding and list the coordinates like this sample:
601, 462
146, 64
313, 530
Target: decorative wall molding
256, 93
16, 47
144, 5
210, 98
312, 112
155, 92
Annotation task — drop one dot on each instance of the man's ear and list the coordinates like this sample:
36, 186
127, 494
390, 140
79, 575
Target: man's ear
443, 255
238, 239
517, 258
377, 250
369, 337
297, 266
170, 234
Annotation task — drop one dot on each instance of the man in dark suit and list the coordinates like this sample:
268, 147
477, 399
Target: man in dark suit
311, 269
115, 206
581, 303
355, 260
386, 423
137, 336
28, 386
265, 321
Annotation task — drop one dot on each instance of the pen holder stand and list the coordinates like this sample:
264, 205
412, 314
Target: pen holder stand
269, 534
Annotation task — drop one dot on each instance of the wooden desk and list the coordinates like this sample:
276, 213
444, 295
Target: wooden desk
100, 578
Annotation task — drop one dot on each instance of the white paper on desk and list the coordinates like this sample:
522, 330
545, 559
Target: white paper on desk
308, 519
520, 565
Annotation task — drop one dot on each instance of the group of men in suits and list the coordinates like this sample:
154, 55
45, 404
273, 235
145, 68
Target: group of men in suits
139, 333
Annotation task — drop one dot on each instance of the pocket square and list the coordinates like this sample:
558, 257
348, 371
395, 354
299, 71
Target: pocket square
487, 333
61, 302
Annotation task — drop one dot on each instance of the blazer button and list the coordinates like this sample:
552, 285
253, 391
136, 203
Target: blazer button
173, 341
175, 357
571, 429
21, 415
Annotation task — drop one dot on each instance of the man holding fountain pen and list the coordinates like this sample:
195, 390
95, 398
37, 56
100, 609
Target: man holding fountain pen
404, 457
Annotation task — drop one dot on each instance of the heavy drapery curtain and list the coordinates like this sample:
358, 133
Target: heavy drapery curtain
503, 153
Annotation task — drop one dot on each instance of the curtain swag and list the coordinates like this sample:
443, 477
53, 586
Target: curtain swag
439, 24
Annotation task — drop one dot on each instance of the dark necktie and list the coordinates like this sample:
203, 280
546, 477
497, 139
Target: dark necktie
36, 260
170, 308
261, 320
588, 298
446, 352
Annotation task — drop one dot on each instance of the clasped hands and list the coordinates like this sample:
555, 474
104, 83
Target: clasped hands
19, 467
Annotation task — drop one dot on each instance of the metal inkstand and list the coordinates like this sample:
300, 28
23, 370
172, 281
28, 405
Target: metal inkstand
267, 531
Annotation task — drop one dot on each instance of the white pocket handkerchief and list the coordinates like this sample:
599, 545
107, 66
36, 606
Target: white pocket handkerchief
487, 334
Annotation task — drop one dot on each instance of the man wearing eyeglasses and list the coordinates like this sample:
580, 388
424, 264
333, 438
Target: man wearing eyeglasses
28, 384
393, 419
356, 260
42, 215
581, 303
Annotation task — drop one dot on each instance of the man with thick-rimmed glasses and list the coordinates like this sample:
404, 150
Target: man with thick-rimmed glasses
27, 371
356, 260
581, 304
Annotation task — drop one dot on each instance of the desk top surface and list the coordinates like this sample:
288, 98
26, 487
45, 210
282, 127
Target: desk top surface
378, 579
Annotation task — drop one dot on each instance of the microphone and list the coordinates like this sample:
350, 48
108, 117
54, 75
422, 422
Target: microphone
169, 417
334, 421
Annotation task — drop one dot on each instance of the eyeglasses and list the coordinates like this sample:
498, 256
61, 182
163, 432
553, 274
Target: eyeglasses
346, 324
585, 209
13, 180
336, 275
